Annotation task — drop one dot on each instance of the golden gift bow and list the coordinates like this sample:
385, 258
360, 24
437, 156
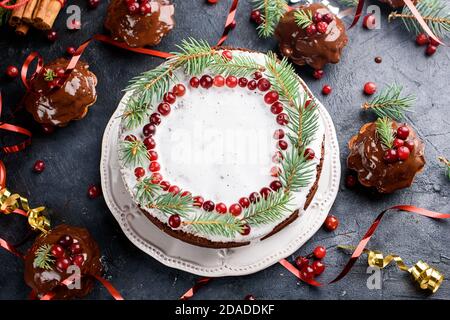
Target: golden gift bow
9, 203
422, 273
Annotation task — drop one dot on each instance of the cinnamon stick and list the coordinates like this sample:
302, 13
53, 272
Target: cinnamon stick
22, 29
16, 16
46, 14
29, 9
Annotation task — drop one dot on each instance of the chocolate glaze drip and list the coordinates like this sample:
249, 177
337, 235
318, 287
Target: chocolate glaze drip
46, 281
396, 3
70, 102
140, 30
316, 50
366, 158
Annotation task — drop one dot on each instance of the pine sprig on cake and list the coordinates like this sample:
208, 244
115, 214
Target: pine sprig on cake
136, 112
434, 12
271, 13
390, 103
169, 204
385, 132
303, 18
133, 153
146, 191
43, 258
271, 209
213, 224
239, 66
297, 172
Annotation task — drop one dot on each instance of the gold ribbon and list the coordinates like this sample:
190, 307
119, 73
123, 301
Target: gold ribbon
9, 203
422, 273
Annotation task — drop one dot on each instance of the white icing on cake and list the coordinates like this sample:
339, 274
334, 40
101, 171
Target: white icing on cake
218, 143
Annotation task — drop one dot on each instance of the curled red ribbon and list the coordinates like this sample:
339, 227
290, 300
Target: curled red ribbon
229, 22
4, 4
192, 291
8, 247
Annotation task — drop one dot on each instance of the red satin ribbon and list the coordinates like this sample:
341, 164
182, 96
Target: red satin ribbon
363, 243
4, 4
8, 247
228, 23
191, 292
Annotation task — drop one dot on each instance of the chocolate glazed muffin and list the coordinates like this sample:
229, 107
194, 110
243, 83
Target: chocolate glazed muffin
140, 30
396, 3
60, 106
366, 158
315, 50
44, 281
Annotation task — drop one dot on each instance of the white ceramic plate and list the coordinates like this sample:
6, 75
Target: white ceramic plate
216, 262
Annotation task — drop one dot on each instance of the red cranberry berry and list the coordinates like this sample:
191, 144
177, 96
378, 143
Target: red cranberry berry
179, 90
39, 166
78, 260
221, 208
370, 88
57, 251
350, 181
301, 262
65, 241
263, 84
208, 205
322, 27
403, 153
52, 35
156, 178
93, 4
282, 144
212, 1
434, 42
307, 273
318, 267
282, 119
430, 50
198, 201
165, 185
154, 166
194, 82
369, 21
252, 85
231, 81
219, 81
422, 39
174, 189
139, 172
235, 209
402, 132
47, 128
169, 97
244, 202
410, 145
275, 185
245, 230
278, 134
94, 191
319, 252
133, 8
257, 75
174, 221
164, 108
249, 297
149, 143
186, 194
155, 118
227, 54
206, 82
242, 82
149, 129
327, 17
318, 74
265, 192
145, 8
326, 90
390, 156
378, 59
311, 30
276, 108
62, 264
270, 97
75, 248
255, 16
331, 223
317, 17
275, 171
71, 51
254, 197
398, 143
309, 154
12, 71
152, 155
277, 157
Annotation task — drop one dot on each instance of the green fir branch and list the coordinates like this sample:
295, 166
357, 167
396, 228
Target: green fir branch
239, 66
43, 258
434, 12
268, 210
146, 191
446, 164
297, 171
303, 18
271, 13
169, 203
49, 75
349, 3
213, 224
133, 153
136, 112
385, 132
390, 103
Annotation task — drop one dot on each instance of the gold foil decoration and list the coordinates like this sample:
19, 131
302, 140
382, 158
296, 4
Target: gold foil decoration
422, 273
11, 202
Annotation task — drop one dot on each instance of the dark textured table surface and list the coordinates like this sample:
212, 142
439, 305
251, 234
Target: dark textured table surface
72, 156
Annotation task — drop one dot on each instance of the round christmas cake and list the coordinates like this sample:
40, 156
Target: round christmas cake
221, 147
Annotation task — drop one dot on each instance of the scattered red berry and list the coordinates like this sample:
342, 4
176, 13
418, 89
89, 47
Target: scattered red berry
434, 42
47, 128
244, 202
235, 209
212, 1
12, 71
249, 297
139, 172
39, 166
93, 4
318, 74
331, 223
319, 252
301, 262
430, 50
208, 205
52, 35
403, 153
94, 191
369, 21
255, 16
402, 132
164, 108
71, 51
378, 59
350, 181
307, 273
221, 207
174, 221
370, 88
318, 267
422, 39
326, 90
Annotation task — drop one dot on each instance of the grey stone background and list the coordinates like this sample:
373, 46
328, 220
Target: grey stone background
72, 156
